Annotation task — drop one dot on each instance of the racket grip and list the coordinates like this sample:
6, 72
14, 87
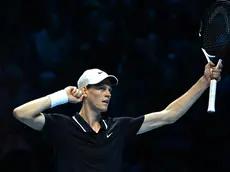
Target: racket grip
212, 96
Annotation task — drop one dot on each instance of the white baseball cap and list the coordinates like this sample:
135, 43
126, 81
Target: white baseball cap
95, 76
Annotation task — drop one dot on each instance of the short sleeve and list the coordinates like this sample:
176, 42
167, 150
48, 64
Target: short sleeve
54, 129
130, 126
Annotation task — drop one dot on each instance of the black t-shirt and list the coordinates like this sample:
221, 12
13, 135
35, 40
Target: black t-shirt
79, 149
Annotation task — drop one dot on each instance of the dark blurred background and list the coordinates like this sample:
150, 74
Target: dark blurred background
151, 46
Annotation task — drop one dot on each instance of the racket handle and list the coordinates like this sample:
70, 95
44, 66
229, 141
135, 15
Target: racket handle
212, 92
212, 96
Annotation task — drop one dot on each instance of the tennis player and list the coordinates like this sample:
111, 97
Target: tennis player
87, 143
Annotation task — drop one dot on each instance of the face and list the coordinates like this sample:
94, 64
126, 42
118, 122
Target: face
99, 95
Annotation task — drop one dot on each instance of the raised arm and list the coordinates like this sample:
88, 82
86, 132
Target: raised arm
180, 106
30, 113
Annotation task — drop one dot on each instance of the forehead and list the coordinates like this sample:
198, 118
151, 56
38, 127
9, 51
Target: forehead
105, 83
102, 85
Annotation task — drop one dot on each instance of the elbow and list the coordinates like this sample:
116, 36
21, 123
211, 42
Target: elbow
170, 117
171, 120
17, 114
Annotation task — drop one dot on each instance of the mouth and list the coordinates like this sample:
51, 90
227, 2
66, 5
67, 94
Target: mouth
106, 101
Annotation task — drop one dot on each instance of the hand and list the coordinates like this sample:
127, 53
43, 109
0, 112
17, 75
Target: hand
211, 72
74, 95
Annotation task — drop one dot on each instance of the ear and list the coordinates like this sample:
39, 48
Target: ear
84, 91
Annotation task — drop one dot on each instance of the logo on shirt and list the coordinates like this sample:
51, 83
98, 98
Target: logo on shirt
108, 135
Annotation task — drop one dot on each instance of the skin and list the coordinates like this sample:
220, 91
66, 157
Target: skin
96, 100
92, 99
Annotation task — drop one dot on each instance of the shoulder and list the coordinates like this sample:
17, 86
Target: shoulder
56, 116
56, 119
125, 120
56, 128
126, 126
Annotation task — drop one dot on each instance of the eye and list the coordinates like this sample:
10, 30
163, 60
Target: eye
102, 88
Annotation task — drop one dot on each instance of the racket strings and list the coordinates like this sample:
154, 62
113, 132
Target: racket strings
216, 32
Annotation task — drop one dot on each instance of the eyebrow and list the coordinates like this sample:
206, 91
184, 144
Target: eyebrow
105, 85
110, 88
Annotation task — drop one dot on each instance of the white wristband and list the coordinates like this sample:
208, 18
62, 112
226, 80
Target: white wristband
58, 98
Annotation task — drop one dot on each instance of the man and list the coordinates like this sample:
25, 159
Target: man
87, 143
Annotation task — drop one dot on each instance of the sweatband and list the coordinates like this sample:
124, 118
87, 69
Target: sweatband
58, 98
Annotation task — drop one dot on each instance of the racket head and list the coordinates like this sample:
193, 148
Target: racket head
215, 29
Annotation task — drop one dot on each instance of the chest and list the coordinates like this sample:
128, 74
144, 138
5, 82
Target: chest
103, 145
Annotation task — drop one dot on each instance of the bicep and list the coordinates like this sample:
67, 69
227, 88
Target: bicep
154, 120
37, 122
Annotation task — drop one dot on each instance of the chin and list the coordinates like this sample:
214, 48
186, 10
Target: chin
103, 109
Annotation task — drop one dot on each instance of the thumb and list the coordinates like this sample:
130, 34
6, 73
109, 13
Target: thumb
81, 98
211, 64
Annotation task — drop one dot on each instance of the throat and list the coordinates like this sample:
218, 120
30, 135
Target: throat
96, 128
93, 121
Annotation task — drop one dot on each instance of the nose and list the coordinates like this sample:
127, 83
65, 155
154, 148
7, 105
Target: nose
108, 93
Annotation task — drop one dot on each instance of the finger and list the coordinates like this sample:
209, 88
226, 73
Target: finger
211, 64
216, 76
213, 69
81, 98
74, 90
216, 73
217, 70
77, 94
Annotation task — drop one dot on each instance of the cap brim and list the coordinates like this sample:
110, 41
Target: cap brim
113, 80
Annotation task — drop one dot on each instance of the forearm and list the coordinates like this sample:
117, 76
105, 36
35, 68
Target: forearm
32, 108
181, 105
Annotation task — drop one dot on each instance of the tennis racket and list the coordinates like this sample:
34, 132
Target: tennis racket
215, 34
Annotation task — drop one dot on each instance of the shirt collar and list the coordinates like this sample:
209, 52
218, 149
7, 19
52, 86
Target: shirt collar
85, 126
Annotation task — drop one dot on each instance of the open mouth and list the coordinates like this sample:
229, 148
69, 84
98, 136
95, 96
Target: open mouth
106, 101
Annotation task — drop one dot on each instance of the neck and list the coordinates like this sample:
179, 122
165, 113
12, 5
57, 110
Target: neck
91, 117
